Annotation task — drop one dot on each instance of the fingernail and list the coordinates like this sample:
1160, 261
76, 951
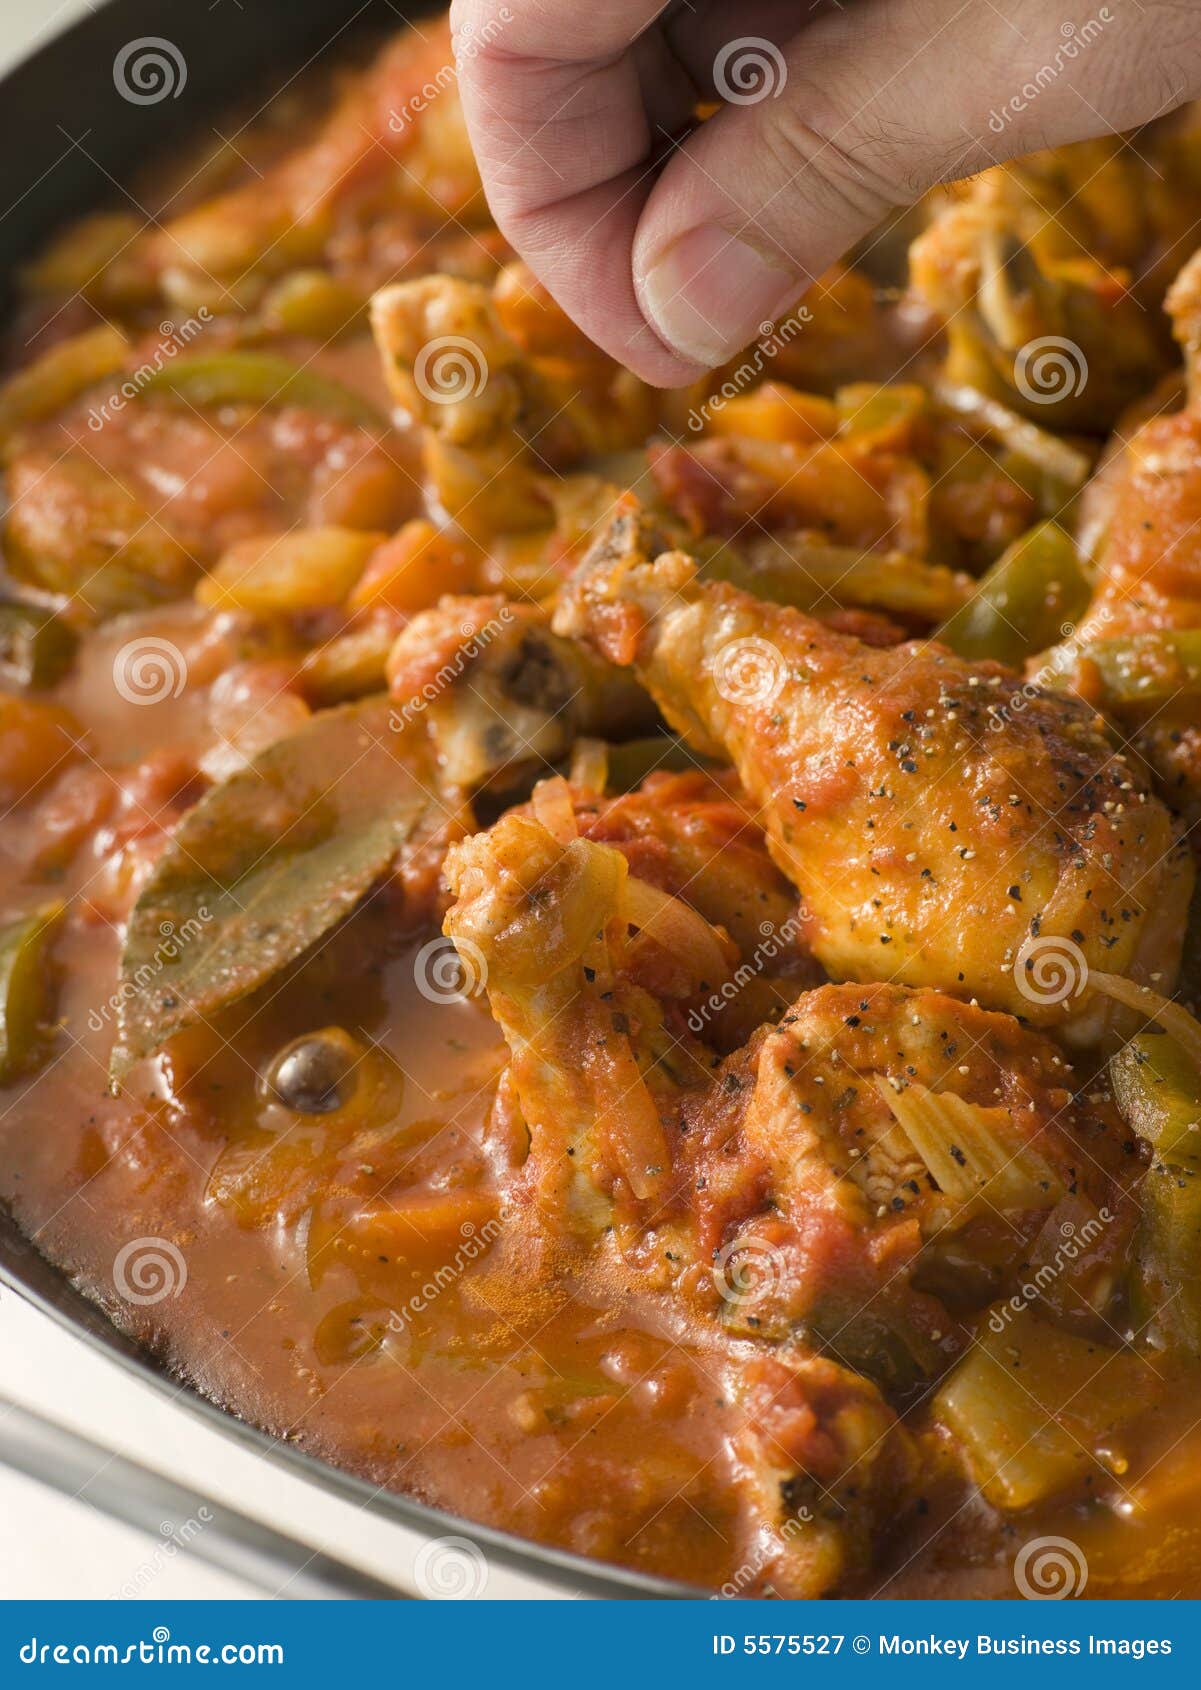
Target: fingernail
709, 294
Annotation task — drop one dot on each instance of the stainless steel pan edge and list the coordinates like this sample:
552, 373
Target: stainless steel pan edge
71, 142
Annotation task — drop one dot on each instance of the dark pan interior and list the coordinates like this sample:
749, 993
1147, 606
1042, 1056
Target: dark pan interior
71, 142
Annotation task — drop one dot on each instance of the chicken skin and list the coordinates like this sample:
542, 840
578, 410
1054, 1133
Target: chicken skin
543, 922
508, 391
904, 1135
826, 1467
498, 690
942, 824
838, 1194
601, 1082
1145, 616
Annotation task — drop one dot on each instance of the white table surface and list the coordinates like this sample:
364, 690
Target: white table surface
52, 1545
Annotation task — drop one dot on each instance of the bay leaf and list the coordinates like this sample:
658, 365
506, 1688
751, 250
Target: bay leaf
264, 865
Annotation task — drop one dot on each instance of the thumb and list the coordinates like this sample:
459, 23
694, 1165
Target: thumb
867, 108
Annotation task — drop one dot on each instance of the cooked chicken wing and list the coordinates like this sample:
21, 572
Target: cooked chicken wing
543, 924
508, 390
838, 1193
827, 1468
914, 1145
1137, 652
610, 1095
943, 824
499, 690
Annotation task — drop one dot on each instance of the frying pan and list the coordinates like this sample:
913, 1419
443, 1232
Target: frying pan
72, 143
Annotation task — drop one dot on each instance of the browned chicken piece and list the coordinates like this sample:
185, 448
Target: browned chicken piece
938, 835
838, 1193
74, 528
498, 691
1030, 270
913, 1147
827, 1468
696, 836
1137, 651
508, 390
542, 921
699, 937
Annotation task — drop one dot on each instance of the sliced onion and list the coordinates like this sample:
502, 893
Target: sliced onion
627, 1119
1034, 444
1172, 1017
590, 765
678, 929
552, 806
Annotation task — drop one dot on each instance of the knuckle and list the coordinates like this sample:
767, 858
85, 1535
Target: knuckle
829, 161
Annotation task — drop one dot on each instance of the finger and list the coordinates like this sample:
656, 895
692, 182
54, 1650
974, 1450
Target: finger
861, 113
557, 105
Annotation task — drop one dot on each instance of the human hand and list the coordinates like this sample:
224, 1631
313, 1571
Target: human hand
670, 245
